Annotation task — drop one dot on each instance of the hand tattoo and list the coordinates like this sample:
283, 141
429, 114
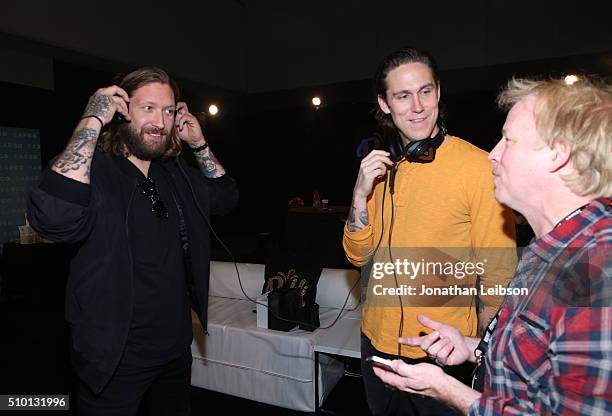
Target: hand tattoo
99, 105
78, 152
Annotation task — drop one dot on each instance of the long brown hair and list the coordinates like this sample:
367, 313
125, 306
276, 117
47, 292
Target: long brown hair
110, 140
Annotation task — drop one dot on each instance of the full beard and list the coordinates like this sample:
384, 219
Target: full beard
138, 146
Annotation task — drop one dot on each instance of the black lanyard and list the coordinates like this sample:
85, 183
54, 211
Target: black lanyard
571, 215
483, 346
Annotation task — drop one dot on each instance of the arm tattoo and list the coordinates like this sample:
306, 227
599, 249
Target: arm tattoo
363, 217
351, 219
357, 220
208, 164
98, 106
78, 152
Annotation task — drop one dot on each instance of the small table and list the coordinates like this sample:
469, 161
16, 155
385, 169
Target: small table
330, 209
343, 339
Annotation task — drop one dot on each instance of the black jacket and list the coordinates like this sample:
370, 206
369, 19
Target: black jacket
99, 292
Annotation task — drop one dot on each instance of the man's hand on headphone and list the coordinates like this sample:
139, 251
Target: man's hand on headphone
373, 166
188, 126
105, 102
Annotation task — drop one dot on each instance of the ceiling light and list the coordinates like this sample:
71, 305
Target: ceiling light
570, 79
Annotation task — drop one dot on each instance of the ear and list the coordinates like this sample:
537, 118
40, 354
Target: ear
383, 105
560, 156
439, 95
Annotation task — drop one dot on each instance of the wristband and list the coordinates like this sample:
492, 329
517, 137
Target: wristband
199, 148
96, 117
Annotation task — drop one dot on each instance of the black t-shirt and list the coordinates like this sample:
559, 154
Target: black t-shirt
160, 328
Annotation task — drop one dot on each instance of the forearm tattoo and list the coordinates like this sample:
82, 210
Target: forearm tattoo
209, 165
357, 219
78, 152
99, 105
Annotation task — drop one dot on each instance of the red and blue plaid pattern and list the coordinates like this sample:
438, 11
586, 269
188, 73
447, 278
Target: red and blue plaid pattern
551, 352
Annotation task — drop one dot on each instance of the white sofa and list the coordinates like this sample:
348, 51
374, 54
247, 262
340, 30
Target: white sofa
264, 365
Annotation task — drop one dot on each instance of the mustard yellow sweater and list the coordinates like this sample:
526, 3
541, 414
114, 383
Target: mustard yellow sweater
442, 208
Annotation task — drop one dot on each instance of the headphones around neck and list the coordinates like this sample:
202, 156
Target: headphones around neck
419, 151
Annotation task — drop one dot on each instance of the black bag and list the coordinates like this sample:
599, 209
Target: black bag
291, 283
309, 318
286, 304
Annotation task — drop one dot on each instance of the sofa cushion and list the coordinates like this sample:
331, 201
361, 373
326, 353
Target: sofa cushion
264, 365
334, 287
224, 279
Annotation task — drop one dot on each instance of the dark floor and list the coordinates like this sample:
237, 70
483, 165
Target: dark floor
34, 337
348, 398
34, 360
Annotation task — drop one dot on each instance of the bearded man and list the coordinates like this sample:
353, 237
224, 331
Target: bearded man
139, 217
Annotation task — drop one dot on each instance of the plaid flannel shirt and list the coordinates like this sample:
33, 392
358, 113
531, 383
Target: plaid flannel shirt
551, 352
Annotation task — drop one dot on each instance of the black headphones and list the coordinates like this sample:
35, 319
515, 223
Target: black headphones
419, 151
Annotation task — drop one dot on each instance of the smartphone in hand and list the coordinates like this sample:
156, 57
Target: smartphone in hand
380, 362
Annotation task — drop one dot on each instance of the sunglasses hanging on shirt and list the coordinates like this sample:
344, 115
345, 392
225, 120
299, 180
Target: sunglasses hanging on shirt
157, 205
